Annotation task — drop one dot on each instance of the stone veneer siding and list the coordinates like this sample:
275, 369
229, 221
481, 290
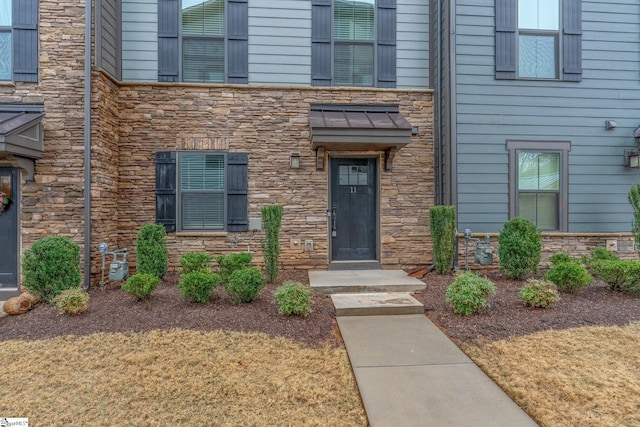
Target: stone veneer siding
269, 123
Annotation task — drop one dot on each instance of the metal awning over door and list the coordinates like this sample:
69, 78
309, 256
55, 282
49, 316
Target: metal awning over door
21, 138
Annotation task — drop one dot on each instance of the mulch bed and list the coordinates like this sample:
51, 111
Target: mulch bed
112, 310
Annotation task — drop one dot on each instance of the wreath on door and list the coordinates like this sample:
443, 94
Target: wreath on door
4, 202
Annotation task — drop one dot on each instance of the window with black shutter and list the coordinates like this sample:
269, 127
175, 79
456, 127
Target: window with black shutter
19, 40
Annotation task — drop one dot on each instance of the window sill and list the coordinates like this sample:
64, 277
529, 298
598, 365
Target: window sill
201, 233
6, 83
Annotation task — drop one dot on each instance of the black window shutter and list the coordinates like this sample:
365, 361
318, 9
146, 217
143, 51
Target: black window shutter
238, 41
166, 189
321, 63
386, 35
237, 192
506, 22
25, 40
572, 40
168, 40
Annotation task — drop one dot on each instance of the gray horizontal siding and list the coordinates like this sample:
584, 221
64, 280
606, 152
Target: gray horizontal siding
490, 111
108, 37
412, 44
140, 40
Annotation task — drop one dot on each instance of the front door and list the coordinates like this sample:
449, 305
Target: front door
353, 209
9, 233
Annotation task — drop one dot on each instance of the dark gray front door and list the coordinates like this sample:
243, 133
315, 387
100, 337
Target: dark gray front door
353, 207
9, 233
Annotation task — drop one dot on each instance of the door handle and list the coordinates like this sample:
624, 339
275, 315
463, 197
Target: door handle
334, 231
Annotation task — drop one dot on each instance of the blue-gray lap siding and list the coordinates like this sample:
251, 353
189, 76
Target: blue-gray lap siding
108, 33
490, 112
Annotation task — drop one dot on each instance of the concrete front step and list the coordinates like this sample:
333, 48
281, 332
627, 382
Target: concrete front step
363, 281
376, 304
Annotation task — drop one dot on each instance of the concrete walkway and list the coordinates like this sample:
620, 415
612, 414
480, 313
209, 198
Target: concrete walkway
410, 374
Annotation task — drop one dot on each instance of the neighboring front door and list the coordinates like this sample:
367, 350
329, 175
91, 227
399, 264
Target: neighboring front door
9, 234
353, 209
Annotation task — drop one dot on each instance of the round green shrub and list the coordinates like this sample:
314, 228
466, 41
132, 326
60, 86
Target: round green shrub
197, 285
561, 257
244, 284
468, 294
232, 262
71, 301
519, 248
195, 261
619, 275
151, 250
539, 293
141, 285
294, 299
569, 276
51, 266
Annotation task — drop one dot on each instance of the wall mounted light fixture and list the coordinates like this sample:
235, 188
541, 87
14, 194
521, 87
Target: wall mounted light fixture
610, 124
294, 160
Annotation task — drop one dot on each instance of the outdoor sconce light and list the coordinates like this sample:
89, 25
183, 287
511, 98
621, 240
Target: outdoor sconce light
632, 159
295, 160
610, 124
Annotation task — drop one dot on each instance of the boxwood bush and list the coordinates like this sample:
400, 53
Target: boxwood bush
539, 293
569, 276
195, 261
519, 248
244, 284
619, 275
141, 285
151, 250
294, 299
469, 293
232, 262
51, 266
197, 285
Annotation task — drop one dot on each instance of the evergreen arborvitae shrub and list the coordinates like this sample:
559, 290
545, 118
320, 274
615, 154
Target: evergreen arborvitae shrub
539, 293
443, 234
232, 262
519, 248
244, 284
569, 276
294, 299
272, 220
51, 266
197, 285
151, 250
195, 261
634, 201
141, 285
469, 293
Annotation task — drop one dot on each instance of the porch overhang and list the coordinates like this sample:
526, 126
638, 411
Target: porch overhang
359, 128
21, 139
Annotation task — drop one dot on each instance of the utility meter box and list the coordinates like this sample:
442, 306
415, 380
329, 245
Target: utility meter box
484, 252
119, 270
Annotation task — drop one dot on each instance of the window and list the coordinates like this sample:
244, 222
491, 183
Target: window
353, 43
202, 191
19, 40
203, 41
539, 39
538, 182
538, 35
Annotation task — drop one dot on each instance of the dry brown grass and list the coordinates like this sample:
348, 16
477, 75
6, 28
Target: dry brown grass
579, 377
177, 378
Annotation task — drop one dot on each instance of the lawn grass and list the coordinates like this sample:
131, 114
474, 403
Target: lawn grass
586, 376
177, 378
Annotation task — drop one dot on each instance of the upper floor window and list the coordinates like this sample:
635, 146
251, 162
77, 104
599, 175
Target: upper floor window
538, 36
539, 39
203, 41
19, 40
353, 43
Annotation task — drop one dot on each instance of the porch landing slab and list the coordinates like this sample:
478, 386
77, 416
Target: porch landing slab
375, 304
356, 281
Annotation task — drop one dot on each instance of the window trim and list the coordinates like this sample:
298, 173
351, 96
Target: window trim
514, 147
180, 193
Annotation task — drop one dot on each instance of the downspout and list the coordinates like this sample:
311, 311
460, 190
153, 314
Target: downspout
453, 121
87, 144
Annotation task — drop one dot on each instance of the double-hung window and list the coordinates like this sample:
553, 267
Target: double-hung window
19, 40
203, 41
202, 190
538, 183
539, 39
353, 43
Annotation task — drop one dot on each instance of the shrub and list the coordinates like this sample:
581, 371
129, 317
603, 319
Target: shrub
151, 250
569, 276
634, 201
195, 261
443, 233
51, 266
561, 257
620, 276
294, 299
71, 301
539, 293
232, 262
468, 294
244, 284
520, 248
197, 285
272, 220
140, 285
